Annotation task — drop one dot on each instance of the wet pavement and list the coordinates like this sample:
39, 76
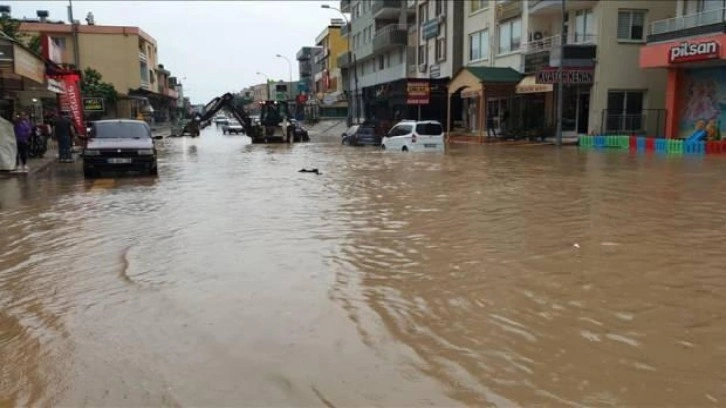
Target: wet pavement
493, 275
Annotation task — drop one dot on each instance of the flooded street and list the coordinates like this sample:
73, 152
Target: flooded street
486, 276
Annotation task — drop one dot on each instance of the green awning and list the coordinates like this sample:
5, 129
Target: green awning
495, 74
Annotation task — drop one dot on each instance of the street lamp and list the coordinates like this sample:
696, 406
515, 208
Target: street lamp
267, 83
289, 64
355, 66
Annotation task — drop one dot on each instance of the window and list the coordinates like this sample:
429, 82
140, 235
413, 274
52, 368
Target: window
440, 49
630, 25
429, 129
625, 110
440, 7
510, 35
121, 130
584, 26
421, 54
479, 45
477, 5
401, 130
381, 62
423, 13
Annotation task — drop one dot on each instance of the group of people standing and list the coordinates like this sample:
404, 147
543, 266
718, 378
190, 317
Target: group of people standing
34, 138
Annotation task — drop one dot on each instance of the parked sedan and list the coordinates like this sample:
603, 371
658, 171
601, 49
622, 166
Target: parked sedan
361, 135
119, 145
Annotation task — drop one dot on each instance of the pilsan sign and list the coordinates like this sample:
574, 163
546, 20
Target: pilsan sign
694, 51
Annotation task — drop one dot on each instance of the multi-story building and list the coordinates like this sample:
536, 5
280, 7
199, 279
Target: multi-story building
604, 91
379, 31
125, 56
690, 49
329, 87
305, 68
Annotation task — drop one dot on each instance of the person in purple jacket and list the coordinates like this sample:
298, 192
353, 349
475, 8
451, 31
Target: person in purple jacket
23, 129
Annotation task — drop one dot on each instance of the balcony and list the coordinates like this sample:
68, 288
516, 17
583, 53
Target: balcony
142, 57
509, 9
345, 59
389, 37
548, 43
145, 84
384, 9
544, 7
705, 22
345, 6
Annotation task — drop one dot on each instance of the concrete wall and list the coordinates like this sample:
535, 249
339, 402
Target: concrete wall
116, 57
473, 22
618, 61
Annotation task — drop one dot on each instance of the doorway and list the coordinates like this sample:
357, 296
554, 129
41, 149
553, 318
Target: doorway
583, 112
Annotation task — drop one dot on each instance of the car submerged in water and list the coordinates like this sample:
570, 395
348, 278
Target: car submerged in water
361, 135
119, 145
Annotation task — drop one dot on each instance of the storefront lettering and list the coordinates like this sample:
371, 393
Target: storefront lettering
685, 51
418, 93
569, 77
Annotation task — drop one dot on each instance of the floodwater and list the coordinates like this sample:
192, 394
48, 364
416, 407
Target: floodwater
485, 276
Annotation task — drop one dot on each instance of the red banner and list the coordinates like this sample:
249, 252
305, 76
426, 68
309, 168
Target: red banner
70, 100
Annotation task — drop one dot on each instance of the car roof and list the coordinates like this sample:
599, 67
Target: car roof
106, 121
409, 121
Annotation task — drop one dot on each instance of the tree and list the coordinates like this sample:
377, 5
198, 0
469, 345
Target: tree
34, 44
11, 27
92, 85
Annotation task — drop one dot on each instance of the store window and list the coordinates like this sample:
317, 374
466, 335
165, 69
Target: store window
510, 35
625, 110
584, 26
479, 45
631, 25
440, 49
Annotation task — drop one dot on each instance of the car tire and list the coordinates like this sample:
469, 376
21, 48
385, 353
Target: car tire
404, 149
383, 147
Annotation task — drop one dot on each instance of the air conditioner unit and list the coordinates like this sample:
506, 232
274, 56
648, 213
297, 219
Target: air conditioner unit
537, 35
422, 68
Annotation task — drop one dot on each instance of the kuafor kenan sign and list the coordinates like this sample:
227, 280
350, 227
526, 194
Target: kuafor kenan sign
688, 51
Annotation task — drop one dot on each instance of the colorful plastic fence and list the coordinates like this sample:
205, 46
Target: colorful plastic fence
651, 144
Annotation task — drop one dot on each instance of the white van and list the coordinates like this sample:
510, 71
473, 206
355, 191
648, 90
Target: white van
415, 136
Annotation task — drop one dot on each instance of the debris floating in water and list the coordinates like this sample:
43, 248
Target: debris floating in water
576, 245
310, 171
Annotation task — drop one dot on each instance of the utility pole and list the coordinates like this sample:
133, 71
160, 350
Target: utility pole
74, 28
560, 85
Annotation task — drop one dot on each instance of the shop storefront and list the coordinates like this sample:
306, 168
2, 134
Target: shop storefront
577, 84
696, 89
423, 99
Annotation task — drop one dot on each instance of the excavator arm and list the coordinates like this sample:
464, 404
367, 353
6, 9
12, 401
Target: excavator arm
217, 104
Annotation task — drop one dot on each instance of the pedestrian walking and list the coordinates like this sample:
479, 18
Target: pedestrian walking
64, 133
23, 130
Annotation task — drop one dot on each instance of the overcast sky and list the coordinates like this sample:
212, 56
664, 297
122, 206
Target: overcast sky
217, 45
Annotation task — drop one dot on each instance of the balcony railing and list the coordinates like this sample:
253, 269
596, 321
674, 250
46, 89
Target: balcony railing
145, 84
142, 56
345, 29
379, 5
688, 21
547, 43
390, 36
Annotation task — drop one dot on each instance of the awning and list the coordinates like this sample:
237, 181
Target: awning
475, 77
529, 85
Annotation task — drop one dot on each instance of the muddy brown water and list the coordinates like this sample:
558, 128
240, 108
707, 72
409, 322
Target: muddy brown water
497, 276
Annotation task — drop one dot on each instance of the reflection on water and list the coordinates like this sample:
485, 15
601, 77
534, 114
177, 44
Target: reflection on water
497, 276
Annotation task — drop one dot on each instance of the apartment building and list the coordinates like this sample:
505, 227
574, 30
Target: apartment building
690, 48
604, 90
304, 58
125, 56
329, 86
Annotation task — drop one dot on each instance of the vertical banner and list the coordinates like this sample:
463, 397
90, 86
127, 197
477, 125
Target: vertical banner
70, 100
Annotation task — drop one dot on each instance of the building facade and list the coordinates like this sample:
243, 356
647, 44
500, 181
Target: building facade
604, 90
329, 88
690, 49
125, 57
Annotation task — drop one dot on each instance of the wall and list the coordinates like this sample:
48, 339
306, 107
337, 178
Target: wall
116, 57
625, 74
473, 22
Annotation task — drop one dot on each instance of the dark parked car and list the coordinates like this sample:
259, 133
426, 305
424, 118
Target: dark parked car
119, 145
361, 135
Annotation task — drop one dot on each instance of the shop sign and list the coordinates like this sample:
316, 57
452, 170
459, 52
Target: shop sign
570, 76
435, 71
28, 65
694, 51
430, 29
56, 86
301, 99
417, 93
93, 104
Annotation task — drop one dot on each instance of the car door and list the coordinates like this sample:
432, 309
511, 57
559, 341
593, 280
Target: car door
405, 136
430, 135
391, 141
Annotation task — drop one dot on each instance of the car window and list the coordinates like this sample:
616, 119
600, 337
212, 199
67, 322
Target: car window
366, 131
121, 130
404, 130
429, 129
